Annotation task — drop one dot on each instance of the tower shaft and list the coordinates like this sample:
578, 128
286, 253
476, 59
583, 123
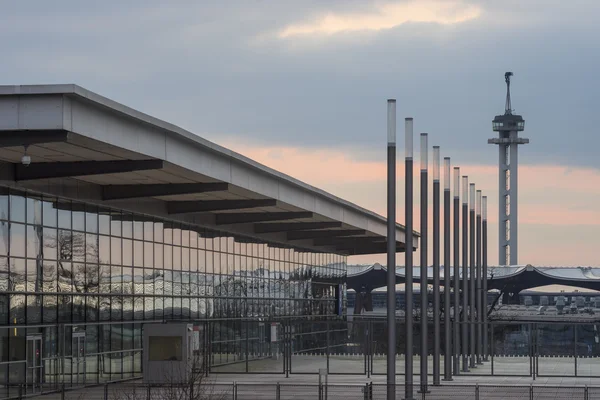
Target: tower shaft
508, 127
508, 205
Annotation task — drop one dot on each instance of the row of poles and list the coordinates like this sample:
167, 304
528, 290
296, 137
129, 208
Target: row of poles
465, 333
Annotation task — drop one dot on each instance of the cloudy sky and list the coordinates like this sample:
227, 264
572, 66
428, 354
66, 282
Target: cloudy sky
301, 86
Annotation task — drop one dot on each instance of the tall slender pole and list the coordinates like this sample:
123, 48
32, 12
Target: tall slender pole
465, 277
472, 274
423, 252
436, 265
408, 259
391, 250
485, 276
479, 286
456, 266
447, 299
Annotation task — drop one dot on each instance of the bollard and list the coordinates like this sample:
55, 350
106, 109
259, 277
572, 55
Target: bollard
62, 391
20, 392
586, 393
477, 391
106, 391
278, 392
148, 393
234, 391
530, 392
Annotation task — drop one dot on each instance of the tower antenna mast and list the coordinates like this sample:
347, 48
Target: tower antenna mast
508, 107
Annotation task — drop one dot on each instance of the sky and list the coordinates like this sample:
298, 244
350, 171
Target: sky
301, 86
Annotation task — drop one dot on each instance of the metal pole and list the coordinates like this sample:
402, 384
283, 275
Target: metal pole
408, 260
447, 300
479, 300
436, 265
423, 253
485, 275
456, 267
391, 249
465, 277
472, 274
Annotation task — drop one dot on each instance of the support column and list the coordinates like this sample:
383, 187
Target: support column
436, 265
456, 268
472, 273
485, 276
391, 250
423, 253
447, 272
465, 277
408, 260
478, 283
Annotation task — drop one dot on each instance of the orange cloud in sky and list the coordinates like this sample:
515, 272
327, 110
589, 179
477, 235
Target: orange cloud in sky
554, 201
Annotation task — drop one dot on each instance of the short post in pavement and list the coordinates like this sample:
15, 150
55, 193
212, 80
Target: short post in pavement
436, 265
391, 249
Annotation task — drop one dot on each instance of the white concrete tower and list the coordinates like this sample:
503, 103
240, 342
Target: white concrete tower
508, 127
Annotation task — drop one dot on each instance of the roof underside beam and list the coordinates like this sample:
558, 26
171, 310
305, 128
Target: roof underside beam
302, 235
196, 206
114, 192
330, 241
29, 138
82, 168
244, 218
294, 226
374, 248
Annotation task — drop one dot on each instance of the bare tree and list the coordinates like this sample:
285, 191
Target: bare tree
195, 385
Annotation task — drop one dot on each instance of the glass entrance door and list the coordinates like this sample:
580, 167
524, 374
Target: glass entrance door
78, 359
34, 370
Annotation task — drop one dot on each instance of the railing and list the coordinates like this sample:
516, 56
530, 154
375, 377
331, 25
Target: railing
281, 391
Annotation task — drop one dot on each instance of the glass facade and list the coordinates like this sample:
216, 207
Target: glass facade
107, 272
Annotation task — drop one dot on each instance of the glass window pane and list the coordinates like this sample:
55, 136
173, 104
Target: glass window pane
4, 232
64, 214
34, 242
4, 203
158, 232
17, 240
115, 223
104, 221
65, 245
148, 254
17, 274
138, 229
3, 277
17, 208
127, 226
148, 230
115, 250
127, 252
92, 248
91, 219
34, 210
50, 246
138, 253
49, 212
78, 246
78, 216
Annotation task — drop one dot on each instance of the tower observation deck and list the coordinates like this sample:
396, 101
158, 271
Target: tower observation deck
508, 127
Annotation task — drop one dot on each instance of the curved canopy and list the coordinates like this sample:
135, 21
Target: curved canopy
368, 277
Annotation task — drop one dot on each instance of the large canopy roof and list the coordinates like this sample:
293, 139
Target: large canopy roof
85, 146
520, 277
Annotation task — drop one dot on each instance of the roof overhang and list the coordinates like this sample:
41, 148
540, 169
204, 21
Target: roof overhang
87, 147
